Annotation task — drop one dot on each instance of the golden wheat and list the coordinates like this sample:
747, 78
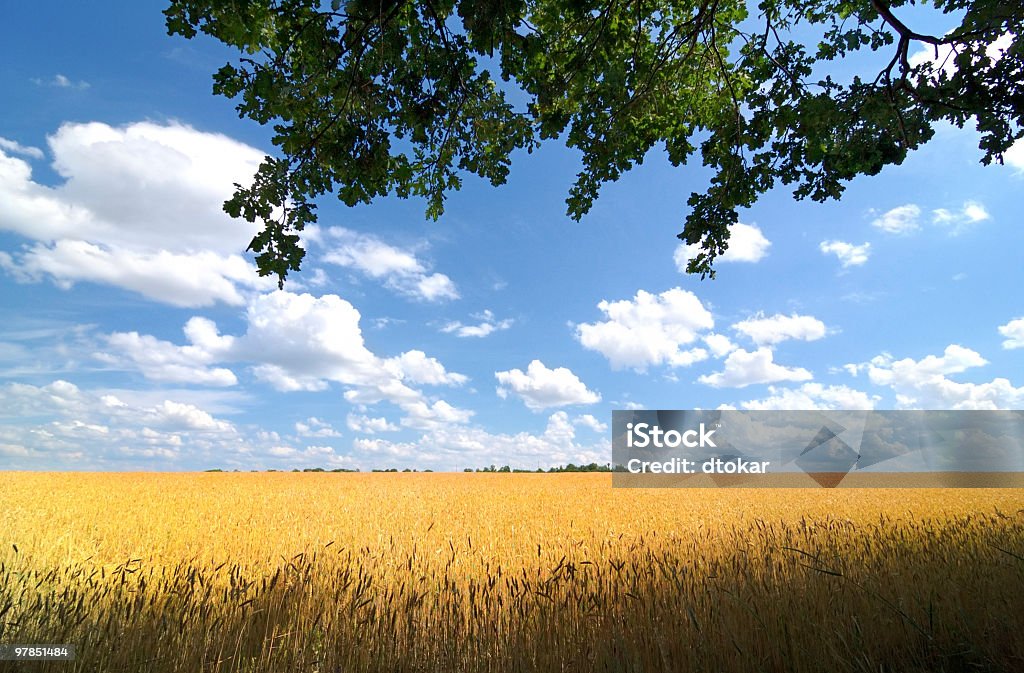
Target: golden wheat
475, 572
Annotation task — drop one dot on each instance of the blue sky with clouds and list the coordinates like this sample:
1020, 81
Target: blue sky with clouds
136, 334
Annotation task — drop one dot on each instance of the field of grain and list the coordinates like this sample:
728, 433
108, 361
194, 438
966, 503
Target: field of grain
505, 572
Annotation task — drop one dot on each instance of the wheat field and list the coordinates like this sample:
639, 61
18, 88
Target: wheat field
505, 572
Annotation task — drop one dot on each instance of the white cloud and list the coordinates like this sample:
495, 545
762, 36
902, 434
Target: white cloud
139, 207
314, 427
456, 446
746, 244
924, 383
63, 426
318, 279
163, 361
907, 218
1014, 157
435, 287
423, 415
184, 417
321, 456
942, 58
542, 388
399, 269
142, 186
847, 253
62, 82
487, 326
812, 396
588, 420
883, 370
1014, 333
744, 368
187, 280
648, 330
296, 342
14, 147
719, 344
778, 327
899, 220
974, 212
369, 426
970, 213
415, 367
301, 342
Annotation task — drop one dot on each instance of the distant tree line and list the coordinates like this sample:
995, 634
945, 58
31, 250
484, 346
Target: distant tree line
571, 467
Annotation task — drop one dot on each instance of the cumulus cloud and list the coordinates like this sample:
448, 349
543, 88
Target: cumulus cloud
318, 455
62, 425
14, 147
295, 342
1014, 333
812, 396
777, 328
925, 383
486, 326
184, 417
746, 244
1014, 157
847, 253
456, 446
186, 280
900, 220
883, 370
542, 388
648, 330
314, 427
588, 421
301, 342
163, 361
942, 58
369, 426
744, 368
138, 207
957, 221
400, 269
907, 218
433, 287
719, 344
415, 367
423, 415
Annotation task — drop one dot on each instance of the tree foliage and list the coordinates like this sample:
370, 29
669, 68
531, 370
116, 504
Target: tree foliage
391, 97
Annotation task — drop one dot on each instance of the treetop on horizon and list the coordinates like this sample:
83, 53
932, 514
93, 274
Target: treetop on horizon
375, 98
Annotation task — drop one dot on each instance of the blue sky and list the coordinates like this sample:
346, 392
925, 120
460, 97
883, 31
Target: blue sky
136, 334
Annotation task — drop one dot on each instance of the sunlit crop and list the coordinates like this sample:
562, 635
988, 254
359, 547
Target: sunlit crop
499, 572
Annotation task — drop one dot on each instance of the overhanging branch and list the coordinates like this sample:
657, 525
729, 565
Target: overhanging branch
906, 34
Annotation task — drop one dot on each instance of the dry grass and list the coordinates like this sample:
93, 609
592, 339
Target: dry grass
475, 572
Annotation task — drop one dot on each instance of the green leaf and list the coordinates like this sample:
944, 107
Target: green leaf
378, 98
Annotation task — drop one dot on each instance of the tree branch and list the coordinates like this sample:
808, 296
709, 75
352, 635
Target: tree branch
906, 33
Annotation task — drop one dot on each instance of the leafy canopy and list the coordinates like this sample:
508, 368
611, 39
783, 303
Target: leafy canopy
393, 97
